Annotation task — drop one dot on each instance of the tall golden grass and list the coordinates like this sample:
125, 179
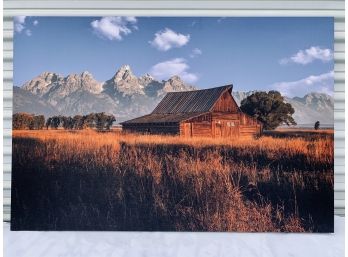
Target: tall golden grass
114, 181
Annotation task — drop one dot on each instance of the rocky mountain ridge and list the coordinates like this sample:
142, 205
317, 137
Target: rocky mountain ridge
126, 96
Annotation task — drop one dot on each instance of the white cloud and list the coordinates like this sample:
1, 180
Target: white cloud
193, 23
35, 22
20, 26
309, 55
114, 28
221, 19
196, 52
323, 83
167, 39
19, 23
177, 66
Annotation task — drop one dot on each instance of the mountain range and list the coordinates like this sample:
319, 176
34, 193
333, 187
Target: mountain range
127, 96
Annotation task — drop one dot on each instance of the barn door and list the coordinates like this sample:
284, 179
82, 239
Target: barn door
233, 128
188, 129
218, 129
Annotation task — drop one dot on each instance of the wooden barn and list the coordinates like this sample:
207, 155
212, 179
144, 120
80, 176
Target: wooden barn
210, 112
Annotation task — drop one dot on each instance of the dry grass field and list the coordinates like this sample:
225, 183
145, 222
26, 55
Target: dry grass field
85, 180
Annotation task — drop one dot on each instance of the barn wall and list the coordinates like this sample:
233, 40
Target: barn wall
225, 104
196, 129
226, 128
249, 126
225, 116
233, 129
225, 124
201, 129
200, 126
247, 120
249, 130
172, 129
232, 125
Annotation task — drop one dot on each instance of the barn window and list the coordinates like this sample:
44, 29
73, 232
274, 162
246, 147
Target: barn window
230, 124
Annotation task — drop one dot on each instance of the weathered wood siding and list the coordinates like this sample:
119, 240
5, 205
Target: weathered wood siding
201, 129
226, 128
224, 116
247, 120
226, 103
234, 125
171, 128
249, 126
221, 124
199, 126
249, 130
196, 129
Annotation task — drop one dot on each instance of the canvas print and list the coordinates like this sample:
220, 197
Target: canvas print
173, 124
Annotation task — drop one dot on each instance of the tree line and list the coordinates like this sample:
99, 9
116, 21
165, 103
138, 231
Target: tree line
99, 121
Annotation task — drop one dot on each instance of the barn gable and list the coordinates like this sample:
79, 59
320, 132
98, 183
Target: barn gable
226, 103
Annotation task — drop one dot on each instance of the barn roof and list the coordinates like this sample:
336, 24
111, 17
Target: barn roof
162, 118
180, 106
190, 101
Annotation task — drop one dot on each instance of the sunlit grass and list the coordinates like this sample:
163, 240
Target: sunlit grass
117, 181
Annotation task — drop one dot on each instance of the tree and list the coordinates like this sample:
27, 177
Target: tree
38, 122
104, 121
22, 120
100, 121
269, 108
49, 122
78, 122
89, 120
56, 121
27, 121
317, 125
110, 120
67, 122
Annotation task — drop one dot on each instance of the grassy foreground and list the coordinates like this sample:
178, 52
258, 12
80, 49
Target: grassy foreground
84, 180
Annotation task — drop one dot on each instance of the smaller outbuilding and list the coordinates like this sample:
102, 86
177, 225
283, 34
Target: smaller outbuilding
200, 113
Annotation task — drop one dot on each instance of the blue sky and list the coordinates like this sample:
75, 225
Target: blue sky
292, 55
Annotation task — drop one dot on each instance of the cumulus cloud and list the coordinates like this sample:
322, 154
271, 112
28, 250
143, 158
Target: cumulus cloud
177, 66
114, 28
323, 83
19, 23
167, 39
195, 52
35, 22
309, 55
